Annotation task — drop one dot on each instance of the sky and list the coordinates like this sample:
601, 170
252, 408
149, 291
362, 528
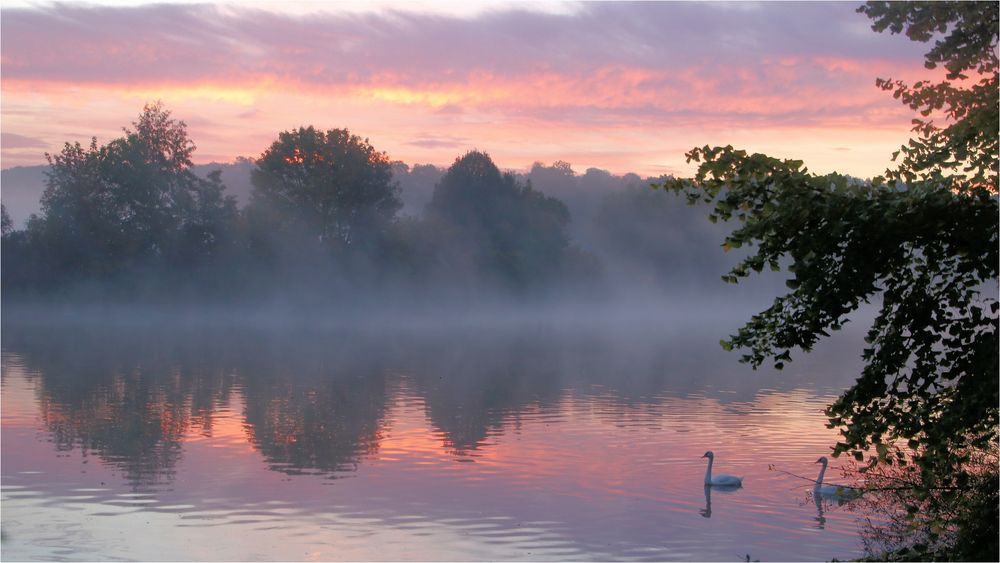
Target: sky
627, 87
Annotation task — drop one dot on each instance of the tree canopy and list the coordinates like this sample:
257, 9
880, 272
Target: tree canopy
515, 232
134, 199
964, 153
332, 184
6, 225
921, 242
132, 220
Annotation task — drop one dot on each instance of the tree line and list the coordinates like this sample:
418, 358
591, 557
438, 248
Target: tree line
132, 216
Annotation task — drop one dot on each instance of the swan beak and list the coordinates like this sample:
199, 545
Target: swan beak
705, 455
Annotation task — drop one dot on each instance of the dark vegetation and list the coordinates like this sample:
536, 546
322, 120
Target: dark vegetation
923, 416
327, 219
330, 220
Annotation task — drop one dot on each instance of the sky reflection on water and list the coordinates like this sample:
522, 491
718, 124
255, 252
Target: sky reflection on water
530, 442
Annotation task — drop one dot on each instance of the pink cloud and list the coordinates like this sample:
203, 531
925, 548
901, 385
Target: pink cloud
15, 141
621, 75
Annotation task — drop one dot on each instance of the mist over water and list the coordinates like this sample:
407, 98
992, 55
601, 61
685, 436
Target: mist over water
530, 435
458, 391
417, 363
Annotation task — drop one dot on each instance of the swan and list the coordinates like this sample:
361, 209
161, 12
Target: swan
842, 492
720, 480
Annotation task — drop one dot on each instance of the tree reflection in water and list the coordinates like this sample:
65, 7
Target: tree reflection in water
316, 401
316, 407
123, 397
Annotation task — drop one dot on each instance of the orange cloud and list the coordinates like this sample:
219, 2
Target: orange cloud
597, 89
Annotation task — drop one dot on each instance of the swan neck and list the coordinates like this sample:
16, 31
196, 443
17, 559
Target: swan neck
708, 472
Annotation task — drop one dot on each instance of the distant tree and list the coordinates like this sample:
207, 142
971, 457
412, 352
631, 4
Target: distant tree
648, 237
130, 201
6, 225
399, 168
331, 186
559, 176
925, 239
17, 260
207, 224
583, 195
416, 185
515, 232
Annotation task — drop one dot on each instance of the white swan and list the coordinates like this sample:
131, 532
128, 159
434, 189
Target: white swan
720, 480
841, 492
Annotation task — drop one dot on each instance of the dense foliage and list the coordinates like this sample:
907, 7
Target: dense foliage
331, 185
132, 220
6, 225
964, 153
134, 201
510, 231
925, 249
922, 242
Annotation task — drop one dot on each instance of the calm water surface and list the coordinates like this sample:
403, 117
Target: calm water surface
524, 442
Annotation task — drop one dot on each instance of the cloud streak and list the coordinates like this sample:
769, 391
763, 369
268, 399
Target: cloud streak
606, 66
15, 141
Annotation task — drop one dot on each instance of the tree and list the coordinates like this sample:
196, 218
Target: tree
134, 200
923, 238
416, 185
964, 153
514, 232
6, 225
649, 237
16, 257
332, 185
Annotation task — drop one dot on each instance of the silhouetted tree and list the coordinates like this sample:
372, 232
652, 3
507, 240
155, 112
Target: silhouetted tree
331, 186
19, 263
557, 180
514, 231
924, 237
134, 200
6, 225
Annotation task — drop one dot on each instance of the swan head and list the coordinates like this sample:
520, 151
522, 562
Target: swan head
709, 454
822, 460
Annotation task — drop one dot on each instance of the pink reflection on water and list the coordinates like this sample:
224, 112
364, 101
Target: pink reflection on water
590, 475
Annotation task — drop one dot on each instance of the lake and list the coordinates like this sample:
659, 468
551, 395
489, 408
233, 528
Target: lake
524, 440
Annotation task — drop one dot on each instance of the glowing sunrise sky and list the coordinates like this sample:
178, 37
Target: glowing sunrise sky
620, 86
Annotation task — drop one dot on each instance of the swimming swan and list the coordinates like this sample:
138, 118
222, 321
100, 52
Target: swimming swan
842, 492
720, 480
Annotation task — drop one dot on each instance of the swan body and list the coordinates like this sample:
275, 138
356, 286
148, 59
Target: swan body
841, 492
719, 480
